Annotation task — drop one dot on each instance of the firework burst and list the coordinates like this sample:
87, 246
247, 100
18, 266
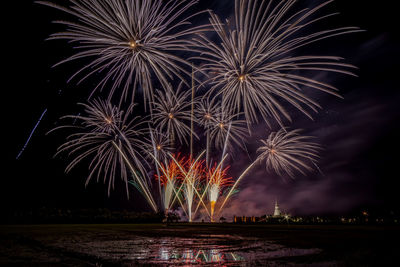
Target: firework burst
283, 152
288, 151
252, 72
172, 113
157, 144
112, 138
252, 66
130, 41
227, 129
205, 114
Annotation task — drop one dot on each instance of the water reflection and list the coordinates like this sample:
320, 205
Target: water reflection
198, 256
222, 250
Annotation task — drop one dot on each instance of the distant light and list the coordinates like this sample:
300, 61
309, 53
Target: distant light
365, 213
242, 77
170, 115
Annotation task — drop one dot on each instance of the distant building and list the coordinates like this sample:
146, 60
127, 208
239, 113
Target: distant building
244, 219
277, 211
276, 217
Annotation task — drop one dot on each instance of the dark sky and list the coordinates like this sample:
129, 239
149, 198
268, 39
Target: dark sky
359, 133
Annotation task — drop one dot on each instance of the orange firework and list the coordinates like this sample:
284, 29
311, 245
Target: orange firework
169, 176
217, 180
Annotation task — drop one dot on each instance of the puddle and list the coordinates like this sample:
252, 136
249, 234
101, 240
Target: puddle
222, 250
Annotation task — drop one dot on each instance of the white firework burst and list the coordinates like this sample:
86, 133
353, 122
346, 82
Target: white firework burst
288, 151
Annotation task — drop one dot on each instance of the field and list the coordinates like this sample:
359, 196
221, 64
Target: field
192, 244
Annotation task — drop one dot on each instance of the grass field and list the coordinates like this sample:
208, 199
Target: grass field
130, 244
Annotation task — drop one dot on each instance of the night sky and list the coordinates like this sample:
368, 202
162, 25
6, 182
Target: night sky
359, 134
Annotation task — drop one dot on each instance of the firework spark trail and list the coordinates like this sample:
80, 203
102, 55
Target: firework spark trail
156, 157
132, 42
190, 185
218, 180
206, 112
209, 182
251, 66
31, 134
235, 185
226, 140
191, 181
142, 185
170, 175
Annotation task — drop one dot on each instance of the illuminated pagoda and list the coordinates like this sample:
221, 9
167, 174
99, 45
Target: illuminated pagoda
277, 211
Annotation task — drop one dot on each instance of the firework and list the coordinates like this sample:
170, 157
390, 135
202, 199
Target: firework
191, 182
31, 134
206, 112
172, 113
226, 129
252, 65
283, 152
252, 71
112, 138
157, 144
130, 41
288, 151
193, 172
218, 179
171, 174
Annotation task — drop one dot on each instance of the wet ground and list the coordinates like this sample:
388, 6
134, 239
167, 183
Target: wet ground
217, 249
187, 245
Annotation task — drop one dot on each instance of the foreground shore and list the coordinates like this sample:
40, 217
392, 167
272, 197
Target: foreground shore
193, 244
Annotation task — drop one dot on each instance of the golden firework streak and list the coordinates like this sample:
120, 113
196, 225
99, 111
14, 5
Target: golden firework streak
175, 192
236, 183
187, 174
147, 194
209, 182
212, 202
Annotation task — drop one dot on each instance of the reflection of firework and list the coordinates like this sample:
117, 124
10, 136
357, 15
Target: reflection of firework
130, 40
288, 151
251, 66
